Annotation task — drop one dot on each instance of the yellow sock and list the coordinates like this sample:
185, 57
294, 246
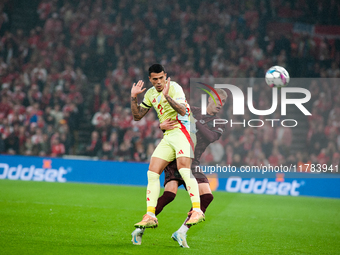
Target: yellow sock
152, 191
192, 187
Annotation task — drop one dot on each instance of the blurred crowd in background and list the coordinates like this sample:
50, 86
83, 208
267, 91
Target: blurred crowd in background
78, 63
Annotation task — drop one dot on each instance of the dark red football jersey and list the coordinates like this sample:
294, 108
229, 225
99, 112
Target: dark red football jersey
201, 141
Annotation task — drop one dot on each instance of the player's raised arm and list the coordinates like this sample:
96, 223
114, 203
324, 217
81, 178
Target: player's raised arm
208, 134
180, 108
138, 112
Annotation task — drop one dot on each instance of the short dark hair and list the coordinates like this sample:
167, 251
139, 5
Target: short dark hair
156, 68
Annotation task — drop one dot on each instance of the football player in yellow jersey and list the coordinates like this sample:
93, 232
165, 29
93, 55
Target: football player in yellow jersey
168, 99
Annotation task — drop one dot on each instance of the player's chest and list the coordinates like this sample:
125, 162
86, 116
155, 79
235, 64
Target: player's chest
159, 102
205, 120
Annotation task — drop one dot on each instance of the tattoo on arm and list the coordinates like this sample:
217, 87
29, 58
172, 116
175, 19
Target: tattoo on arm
180, 108
137, 111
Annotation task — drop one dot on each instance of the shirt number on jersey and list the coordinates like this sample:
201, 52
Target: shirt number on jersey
161, 109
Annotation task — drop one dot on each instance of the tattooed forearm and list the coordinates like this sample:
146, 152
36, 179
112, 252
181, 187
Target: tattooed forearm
134, 107
180, 108
137, 111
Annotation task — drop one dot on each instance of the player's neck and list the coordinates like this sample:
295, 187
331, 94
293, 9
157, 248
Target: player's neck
210, 112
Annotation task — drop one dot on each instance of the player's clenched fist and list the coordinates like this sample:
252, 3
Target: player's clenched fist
137, 88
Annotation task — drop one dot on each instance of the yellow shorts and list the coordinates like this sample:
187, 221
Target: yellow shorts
176, 143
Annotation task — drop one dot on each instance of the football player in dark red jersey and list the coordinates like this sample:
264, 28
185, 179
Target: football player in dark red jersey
206, 134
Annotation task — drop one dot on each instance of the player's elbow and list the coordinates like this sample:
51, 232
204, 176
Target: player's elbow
211, 140
214, 137
182, 113
136, 118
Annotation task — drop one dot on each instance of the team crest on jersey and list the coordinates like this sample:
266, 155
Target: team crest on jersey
202, 121
159, 98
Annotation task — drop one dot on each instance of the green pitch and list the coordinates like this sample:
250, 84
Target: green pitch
56, 218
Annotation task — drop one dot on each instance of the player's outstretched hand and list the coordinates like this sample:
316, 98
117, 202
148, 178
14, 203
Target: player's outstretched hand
168, 124
137, 88
166, 87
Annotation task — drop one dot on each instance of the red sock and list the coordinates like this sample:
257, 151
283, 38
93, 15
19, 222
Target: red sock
163, 200
205, 201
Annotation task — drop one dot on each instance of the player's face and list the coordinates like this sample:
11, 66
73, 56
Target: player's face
215, 108
158, 80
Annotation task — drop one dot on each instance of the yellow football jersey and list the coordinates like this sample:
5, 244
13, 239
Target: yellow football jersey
155, 99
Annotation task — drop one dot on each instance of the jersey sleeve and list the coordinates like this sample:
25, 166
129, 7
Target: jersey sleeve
146, 103
210, 134
219, 128
177, 93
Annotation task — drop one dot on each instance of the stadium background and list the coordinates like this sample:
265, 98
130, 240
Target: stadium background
67, 68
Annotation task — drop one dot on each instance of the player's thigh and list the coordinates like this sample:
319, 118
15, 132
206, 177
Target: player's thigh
171, 186
157, 165
181, 142
163, 151
204, 188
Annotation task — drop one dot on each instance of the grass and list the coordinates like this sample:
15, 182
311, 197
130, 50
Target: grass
72, 218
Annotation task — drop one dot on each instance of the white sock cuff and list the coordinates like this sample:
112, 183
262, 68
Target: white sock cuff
184, 228
184, 171
151, 214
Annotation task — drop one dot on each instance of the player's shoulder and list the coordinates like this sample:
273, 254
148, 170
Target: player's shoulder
150, 91
175, 85
195, 109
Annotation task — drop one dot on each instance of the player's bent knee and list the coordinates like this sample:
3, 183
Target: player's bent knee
171, 186
155, 170
157, 165
183, 162
204, 188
